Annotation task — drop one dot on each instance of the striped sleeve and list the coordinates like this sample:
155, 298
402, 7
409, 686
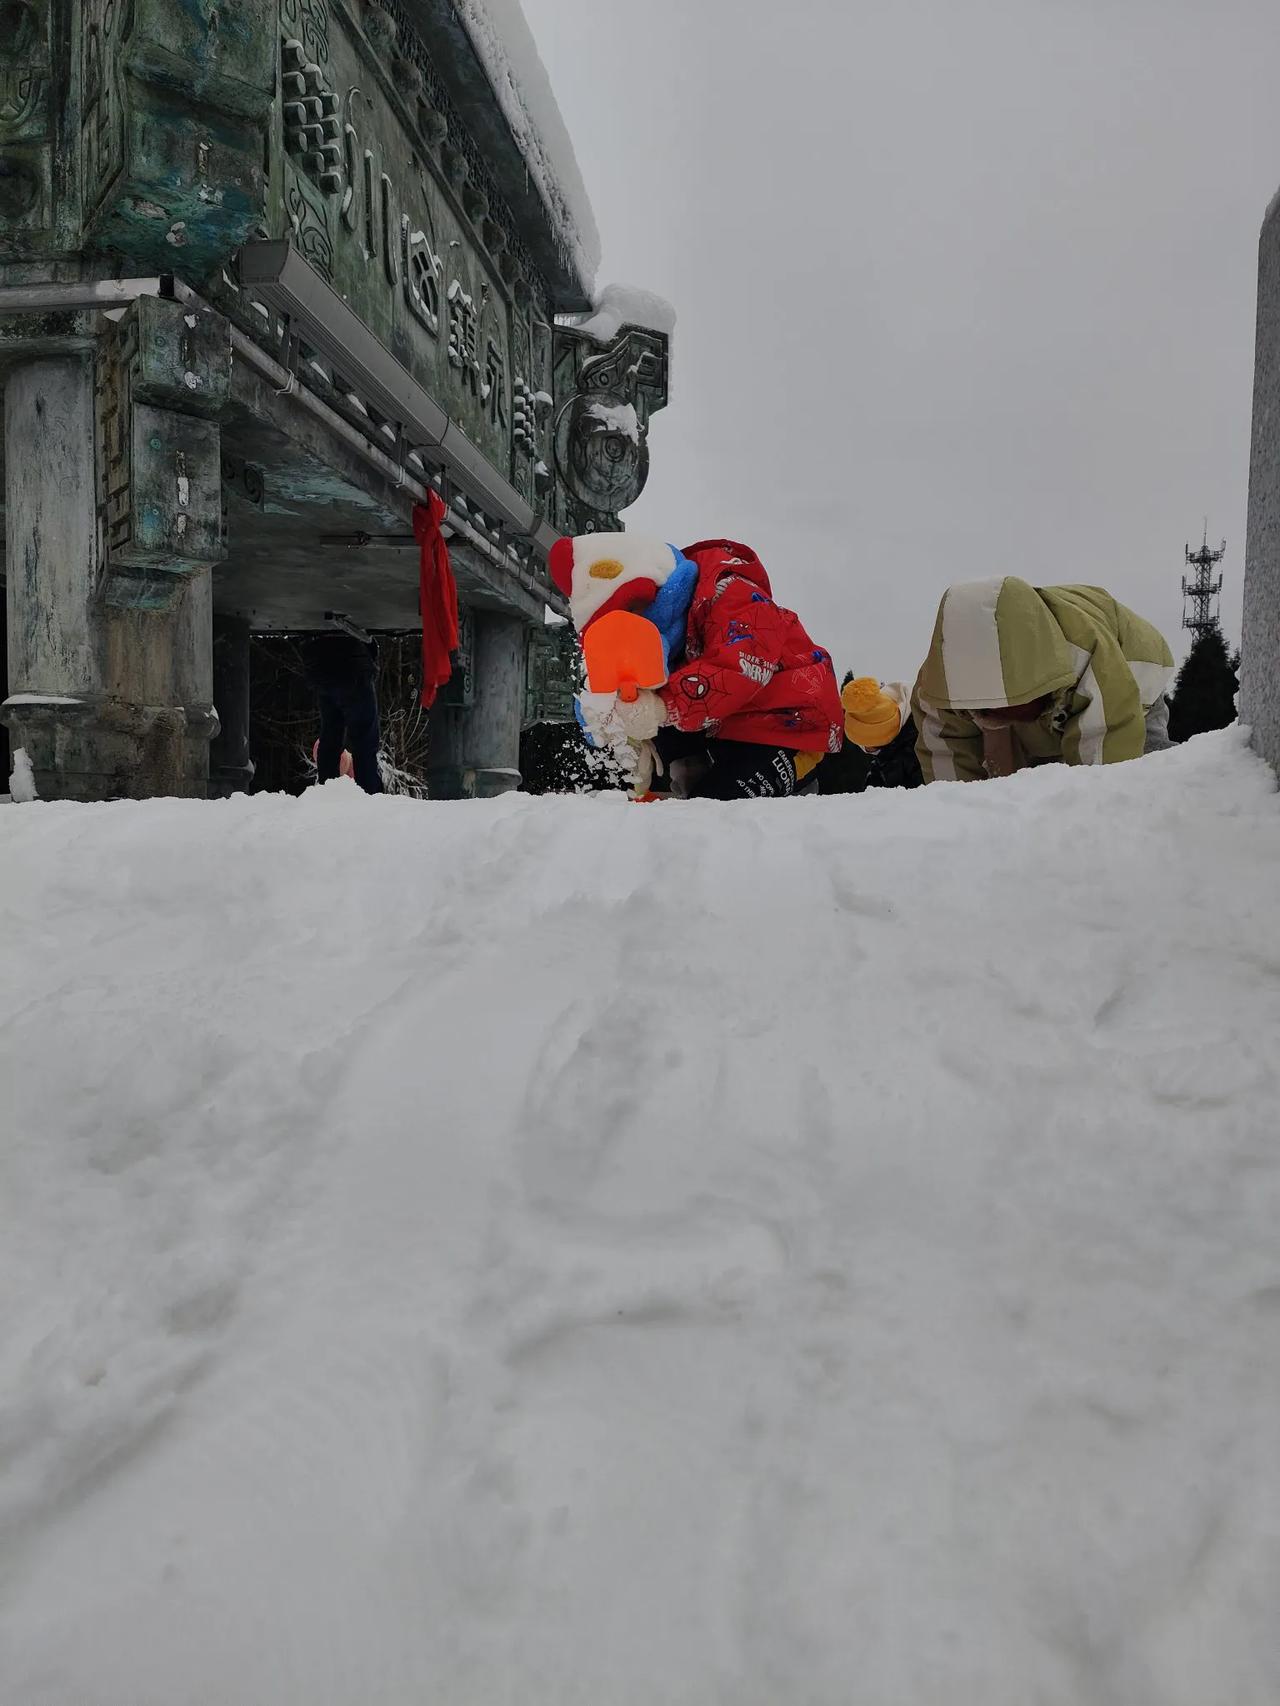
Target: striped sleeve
1107, 724
948, 744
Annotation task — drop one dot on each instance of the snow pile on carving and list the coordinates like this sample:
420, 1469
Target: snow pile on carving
619, 305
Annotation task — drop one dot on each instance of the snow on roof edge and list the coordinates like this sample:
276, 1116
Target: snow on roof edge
504, 45
619, 305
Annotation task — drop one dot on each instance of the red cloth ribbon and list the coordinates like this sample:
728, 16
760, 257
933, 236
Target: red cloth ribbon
437, 598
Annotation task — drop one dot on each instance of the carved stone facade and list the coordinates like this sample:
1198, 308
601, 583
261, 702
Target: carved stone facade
376, 190
145, 139
106, 26
27, 131
604, 399
174, 102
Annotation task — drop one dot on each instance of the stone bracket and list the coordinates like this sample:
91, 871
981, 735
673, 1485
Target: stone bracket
605, 395
163, 373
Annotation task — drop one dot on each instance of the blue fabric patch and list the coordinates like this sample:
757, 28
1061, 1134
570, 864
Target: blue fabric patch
582, 723
669, 611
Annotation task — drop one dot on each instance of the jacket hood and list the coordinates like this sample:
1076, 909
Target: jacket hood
995, 643
717, 558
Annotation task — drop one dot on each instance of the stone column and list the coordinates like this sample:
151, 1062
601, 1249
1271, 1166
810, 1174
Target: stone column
107, 702
493, 723
475, 751
230, 761
1260, 644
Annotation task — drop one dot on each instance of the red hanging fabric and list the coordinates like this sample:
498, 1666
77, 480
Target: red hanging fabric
437, 598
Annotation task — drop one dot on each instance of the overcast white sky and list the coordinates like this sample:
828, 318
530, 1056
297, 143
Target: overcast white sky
964, 286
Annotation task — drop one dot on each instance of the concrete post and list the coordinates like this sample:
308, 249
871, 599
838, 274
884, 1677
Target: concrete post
107, 702
230, 762
1260, 644
475, 752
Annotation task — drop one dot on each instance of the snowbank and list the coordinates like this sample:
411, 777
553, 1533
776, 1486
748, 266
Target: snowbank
505, 47
561, 1252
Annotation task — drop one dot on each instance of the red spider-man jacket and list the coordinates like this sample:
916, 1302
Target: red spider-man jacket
750, 673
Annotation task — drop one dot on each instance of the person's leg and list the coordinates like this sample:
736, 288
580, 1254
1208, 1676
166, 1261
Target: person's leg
684, 761
362, 734
329, 754
739, 771
686, 776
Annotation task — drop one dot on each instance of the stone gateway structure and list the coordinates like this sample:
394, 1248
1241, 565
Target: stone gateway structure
270, 270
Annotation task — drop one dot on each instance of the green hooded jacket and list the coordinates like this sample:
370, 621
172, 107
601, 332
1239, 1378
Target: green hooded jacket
1004, 642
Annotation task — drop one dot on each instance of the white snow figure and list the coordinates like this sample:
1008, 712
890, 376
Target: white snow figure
22, 781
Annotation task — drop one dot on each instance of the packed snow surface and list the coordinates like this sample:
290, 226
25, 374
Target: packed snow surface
504, 44
557, 1252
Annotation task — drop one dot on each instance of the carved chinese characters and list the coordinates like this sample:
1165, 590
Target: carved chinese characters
378, 194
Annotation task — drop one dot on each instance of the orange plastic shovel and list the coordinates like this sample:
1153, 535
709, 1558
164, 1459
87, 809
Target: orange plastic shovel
623, 653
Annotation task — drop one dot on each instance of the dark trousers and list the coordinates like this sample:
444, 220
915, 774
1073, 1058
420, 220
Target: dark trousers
730, 769
349, 709
742, 772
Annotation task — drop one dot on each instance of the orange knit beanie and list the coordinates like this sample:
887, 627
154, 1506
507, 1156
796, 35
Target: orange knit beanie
872, 717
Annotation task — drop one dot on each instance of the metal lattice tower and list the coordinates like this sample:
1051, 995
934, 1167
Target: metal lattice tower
1200, 591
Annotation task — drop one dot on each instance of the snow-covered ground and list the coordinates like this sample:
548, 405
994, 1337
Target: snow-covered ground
556, 1252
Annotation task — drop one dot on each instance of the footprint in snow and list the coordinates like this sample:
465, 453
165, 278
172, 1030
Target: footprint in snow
850, 897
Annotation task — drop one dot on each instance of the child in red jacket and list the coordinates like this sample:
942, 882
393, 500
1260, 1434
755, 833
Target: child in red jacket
750, 705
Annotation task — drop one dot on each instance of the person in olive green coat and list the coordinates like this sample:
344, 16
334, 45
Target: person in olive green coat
1020, 675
